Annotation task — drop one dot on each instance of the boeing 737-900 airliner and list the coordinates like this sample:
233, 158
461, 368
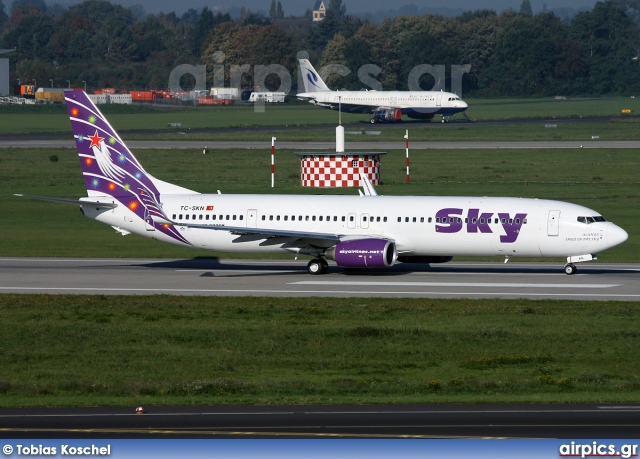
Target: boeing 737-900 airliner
354, 231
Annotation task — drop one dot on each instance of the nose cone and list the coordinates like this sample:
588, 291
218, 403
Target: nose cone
463, 104
616, 235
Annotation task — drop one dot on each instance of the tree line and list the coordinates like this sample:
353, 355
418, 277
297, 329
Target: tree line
512, 53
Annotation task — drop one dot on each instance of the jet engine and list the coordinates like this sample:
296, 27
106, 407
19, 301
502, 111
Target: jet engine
363, 253
387, 114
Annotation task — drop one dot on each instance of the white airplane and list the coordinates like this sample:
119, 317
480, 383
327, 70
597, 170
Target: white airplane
354, 231
383, 105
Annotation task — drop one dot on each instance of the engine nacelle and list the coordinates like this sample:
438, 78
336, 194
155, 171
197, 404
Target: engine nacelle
388, 114
424, 259
420, 116
363, 253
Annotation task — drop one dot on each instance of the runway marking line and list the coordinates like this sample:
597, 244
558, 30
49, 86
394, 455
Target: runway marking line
452, 284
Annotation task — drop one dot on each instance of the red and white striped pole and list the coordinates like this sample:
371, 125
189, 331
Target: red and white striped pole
273, 166
406, 137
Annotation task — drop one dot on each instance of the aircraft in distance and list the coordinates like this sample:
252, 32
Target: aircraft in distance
354, 231
384, 106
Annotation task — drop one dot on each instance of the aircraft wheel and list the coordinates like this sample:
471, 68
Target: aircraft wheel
315, 266
570, 268
325, 266
373, 121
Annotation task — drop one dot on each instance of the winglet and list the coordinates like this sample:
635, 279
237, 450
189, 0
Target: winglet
367, 186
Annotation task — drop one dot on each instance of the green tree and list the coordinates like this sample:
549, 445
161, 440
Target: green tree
525, 8
40, 4
609, 39
3, 16
279, 11
272, 10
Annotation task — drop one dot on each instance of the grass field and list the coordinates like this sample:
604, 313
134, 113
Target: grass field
53, 119
97, 350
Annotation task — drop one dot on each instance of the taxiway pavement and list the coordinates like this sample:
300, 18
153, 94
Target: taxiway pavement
283, 278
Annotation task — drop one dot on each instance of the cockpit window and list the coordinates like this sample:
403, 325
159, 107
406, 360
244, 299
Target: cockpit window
588, 220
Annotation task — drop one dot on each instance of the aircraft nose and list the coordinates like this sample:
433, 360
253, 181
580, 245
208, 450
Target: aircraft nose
616, 236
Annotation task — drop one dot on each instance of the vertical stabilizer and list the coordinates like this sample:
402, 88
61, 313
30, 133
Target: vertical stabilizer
111, 172
311, 78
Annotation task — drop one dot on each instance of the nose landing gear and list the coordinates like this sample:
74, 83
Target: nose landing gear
570, 268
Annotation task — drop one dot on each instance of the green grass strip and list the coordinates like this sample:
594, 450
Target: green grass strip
66, 350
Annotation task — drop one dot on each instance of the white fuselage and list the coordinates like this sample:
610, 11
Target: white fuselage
422, 102
429, 226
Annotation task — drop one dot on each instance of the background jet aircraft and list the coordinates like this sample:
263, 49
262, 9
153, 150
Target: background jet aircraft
383, 105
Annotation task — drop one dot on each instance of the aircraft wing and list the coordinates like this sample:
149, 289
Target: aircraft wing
320, 239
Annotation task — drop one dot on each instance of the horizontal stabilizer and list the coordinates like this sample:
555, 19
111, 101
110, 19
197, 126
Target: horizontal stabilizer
78, 202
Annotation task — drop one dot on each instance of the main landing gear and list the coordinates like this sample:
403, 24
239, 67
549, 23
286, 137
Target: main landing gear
570, 268
318, 266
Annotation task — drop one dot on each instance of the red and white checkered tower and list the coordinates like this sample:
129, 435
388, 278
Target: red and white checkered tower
339, 169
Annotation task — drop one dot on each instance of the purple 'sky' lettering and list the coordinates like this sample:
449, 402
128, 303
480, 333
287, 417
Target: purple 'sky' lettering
450, 221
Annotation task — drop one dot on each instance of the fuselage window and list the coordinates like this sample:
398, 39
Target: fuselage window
180, 217
437, 219
264, 217
517, 221
194, 216
200, 217
227, 217
364, 218
270, 217
384, 219
582, 219
496, 221
335, 218
481, 220
173, 217
286, 218
430, 220
459, 220
207, 217
406, 219
399, 219
415, 219
320, 218
313, 218
344, 219
300, 218
278, 217
351, 218
504, 220
451, 219
234, 217
421, 219
186, 217
306, 218
524, 221
511, 221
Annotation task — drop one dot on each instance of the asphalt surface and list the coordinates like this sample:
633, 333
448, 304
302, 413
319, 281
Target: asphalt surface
355, 421
282, 278
327, 146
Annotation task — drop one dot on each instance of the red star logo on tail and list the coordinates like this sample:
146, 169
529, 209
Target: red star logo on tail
95, 139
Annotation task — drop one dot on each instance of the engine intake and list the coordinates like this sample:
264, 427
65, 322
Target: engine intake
363, 253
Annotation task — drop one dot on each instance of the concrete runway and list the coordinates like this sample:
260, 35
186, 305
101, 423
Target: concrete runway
356, 421
281, 278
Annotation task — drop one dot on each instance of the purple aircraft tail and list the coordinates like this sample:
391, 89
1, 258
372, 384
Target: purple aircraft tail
109, 168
